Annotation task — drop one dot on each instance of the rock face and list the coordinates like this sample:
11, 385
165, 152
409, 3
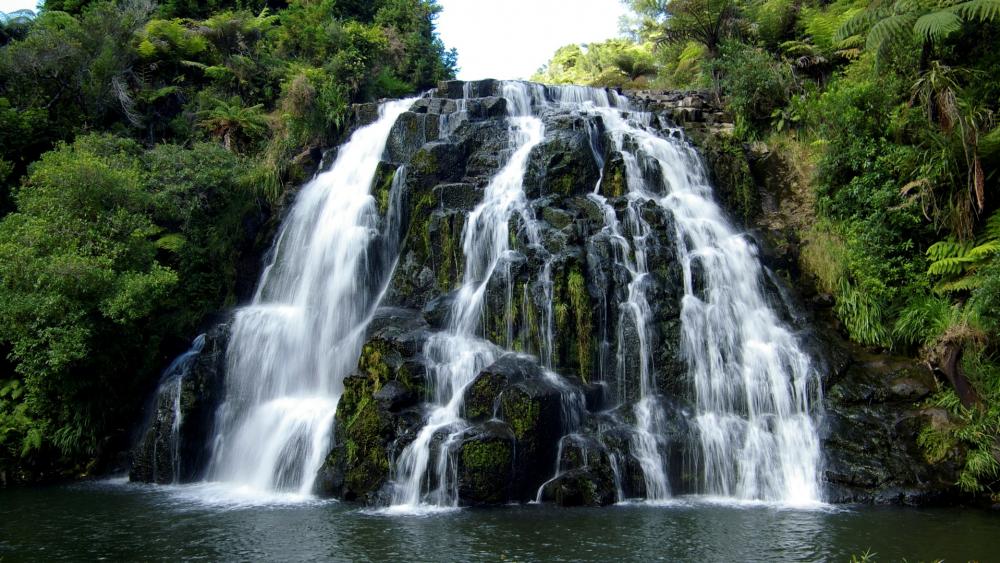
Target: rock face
873, 423
175, 445
557, 308
518, 415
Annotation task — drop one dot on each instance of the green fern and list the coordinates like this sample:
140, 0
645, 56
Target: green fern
172, 242
889, 24
937, 25
982, 10
955, 261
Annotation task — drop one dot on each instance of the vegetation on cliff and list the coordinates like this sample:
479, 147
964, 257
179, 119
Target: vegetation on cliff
889, 111
141, 146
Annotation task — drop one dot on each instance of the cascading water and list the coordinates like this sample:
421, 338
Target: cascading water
755, 392
292, 346
754, 395
456, 355
164, 427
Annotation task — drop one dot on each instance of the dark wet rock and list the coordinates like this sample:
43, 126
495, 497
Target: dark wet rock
372, 419
563, 164
482, 395
870, 437
485, 461
580, 487
410, 132
458, 196
456, 89
533, 410
201, 392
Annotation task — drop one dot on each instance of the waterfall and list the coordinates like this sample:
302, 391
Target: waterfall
755, 391
292, 346
163, 430
456, 355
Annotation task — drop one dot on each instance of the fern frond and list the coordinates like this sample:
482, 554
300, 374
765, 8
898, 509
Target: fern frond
948, 266
172, 242
937, 25
982, 10
948, 248
966, 283
890, 31
991, 230
989, 144
983, 251
856, 24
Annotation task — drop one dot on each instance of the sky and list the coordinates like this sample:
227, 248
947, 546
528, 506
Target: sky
512, 38
505, 38
14, 5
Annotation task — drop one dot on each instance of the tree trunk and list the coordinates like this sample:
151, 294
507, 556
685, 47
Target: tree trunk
946, 358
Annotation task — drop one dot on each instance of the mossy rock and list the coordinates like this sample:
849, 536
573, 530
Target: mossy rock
486, 465
358, 465
730, 173
533, 410
614, 181
580, 487
481, 396
563, 164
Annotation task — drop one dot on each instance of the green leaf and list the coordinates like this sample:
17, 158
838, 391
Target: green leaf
937, 25
173, 242
983, 10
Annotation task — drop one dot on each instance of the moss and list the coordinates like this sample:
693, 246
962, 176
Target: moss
373, 364
614, 184
382, 363
731, 175
580, 300
383, 190
481, 395
531, 331
423, 163
521, 413
447, 270
363, 433
563, 184
486, 468
486, 455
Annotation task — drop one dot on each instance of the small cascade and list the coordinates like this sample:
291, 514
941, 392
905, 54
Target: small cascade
291, 348
634, 322
756, 393
163, 431
456, 355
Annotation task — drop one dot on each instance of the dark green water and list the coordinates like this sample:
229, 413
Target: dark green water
128, 522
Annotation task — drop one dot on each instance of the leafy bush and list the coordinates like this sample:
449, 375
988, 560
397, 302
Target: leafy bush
755, 84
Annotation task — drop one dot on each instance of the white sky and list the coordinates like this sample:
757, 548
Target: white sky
504, 38
14, 5
512, 38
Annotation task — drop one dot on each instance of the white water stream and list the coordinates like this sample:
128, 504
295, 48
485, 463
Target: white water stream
291, 348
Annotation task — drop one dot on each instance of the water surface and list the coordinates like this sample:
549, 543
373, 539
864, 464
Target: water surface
122, 521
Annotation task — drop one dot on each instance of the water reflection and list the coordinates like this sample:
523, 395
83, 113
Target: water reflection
128, 522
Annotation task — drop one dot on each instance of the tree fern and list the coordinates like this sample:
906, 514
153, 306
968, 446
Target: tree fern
954, 260
982, 10
888, 24
937, 25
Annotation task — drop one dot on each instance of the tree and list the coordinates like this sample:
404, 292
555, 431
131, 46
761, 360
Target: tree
708, 22
234, 123
889, 24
